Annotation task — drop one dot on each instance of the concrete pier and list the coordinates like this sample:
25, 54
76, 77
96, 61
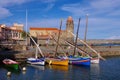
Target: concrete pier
21, 55
21, 52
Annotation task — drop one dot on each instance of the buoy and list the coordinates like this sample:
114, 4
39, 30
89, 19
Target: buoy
8, 74
24, 68
50, 62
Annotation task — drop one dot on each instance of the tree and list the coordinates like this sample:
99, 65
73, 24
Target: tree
24, 34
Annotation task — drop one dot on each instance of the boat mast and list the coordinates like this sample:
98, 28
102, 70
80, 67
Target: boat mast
36, 53
86, 28
76, 37
56, 53
26, 26
36, 45
85, 34
89, 47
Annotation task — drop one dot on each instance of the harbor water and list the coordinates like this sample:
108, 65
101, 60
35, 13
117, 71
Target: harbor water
106, 70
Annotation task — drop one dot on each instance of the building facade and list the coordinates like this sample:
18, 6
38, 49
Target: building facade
11, 33
69, 29
44, 33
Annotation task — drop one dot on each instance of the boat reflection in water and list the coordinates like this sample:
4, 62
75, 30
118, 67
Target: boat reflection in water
37, 67
9, 69
58, 67
94, 71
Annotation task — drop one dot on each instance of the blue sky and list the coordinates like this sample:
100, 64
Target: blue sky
103, 15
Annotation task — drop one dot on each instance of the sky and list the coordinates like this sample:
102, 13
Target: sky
103, 15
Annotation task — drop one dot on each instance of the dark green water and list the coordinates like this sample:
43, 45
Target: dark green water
106, 70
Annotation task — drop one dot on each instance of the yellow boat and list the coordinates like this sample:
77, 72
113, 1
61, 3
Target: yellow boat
58, 67
54, 61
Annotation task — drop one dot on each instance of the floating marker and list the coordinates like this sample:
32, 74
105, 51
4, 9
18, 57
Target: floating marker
24, 68
8, 74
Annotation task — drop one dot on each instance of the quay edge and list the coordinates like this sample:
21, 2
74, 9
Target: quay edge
21, 55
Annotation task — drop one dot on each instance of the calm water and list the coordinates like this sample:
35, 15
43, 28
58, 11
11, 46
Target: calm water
106, 70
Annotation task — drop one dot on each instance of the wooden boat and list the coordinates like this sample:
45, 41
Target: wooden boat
83, 61
55, 61
78, 60
58, 67
95, 60
37, 67
11, 64
36, 61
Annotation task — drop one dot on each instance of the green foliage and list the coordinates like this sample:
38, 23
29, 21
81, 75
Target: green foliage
23, 34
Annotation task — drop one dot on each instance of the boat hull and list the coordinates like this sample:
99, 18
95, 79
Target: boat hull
53, 61
58, 67
95, 60
14, 66
80, 61
11, 64
35, 61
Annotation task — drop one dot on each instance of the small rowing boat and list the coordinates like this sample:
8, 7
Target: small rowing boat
36, 61
95, 60
11, 63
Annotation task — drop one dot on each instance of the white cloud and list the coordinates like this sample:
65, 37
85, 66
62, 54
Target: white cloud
105, 4
12, 2
4, 12
50, 6
47, 1
114, 37
47, 23
75, 9
94, 7
114, 13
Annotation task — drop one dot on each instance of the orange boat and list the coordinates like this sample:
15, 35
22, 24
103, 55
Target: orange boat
57, 67
55, 61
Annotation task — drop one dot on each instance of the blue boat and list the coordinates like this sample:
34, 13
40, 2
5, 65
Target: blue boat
83, 61
78, 60
36, 61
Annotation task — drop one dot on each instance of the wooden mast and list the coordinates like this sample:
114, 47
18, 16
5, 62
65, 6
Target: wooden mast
89, 47
78, 48
85, 34
56, 53
58, 44
86, 28
76, 37
26, 25
36, 45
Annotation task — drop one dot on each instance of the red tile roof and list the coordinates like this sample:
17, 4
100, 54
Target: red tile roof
43, 28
